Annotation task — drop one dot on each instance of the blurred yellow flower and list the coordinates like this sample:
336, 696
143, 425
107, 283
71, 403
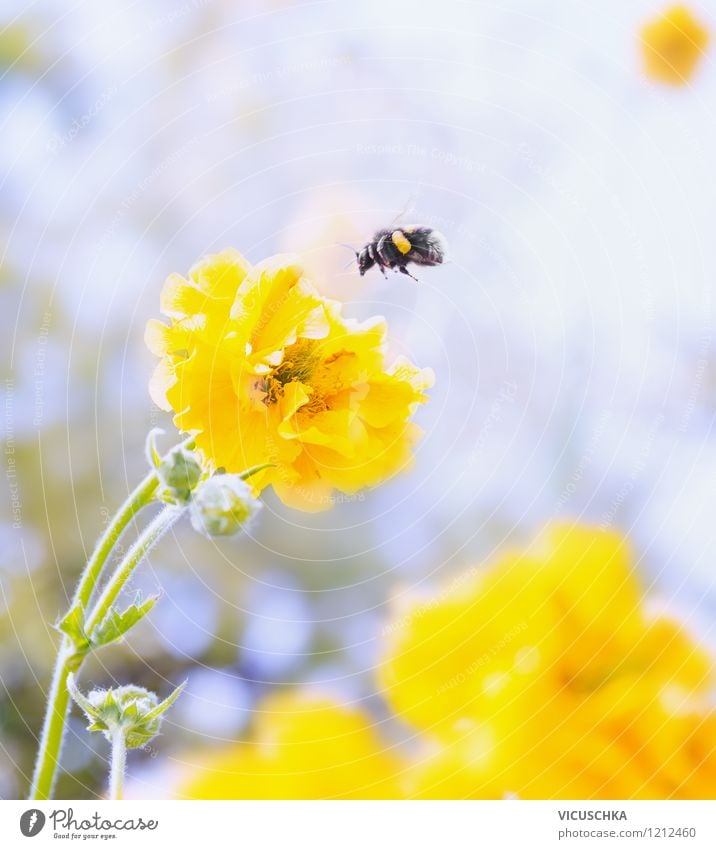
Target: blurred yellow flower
543, 676
445, 653
262, 369
546, 677
303, 747
673, 45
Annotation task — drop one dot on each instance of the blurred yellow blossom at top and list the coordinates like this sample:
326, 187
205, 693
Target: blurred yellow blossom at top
303, 747
262, 369
673, 45
544, 676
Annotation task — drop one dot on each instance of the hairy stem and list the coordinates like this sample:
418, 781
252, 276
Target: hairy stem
48, 756
68, 659
53, 729
144, 542
141, 496
117, 765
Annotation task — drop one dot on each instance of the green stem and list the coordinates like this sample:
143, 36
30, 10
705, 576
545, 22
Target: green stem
144, 542
53, 728
141, 496
68, 660
117, 765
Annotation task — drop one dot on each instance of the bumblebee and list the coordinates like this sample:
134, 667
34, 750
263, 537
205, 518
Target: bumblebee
397, 248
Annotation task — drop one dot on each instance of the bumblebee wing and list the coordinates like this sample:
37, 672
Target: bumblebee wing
429, 250
408, 207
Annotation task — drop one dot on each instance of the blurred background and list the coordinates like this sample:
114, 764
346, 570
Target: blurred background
571, 333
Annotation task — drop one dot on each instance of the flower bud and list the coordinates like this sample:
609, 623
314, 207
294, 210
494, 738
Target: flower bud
135, 712
179, 471
222, 506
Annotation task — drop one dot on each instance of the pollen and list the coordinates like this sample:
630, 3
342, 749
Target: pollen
401, 242
298, 363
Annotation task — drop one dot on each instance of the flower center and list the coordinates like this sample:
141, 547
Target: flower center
298, 364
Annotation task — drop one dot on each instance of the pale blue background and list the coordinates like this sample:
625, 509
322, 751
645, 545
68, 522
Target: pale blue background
571, 334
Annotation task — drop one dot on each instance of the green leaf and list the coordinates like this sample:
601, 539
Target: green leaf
115, 625
162, 707
73, 625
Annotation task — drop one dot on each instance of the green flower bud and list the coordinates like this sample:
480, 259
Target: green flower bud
179, 472
222, 506
135, 712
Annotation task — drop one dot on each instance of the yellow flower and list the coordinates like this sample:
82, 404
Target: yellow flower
446, 655
262, 369
544, 676
673, 45
303, 747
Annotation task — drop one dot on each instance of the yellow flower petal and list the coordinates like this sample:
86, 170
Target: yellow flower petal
303, 747
595, 588
220, 275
